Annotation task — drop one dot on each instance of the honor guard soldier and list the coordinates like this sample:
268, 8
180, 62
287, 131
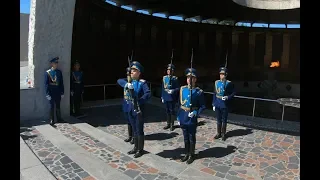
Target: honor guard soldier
192, 103
77, 88
170, 85
139, 93
54, 89
125, 107
223, 93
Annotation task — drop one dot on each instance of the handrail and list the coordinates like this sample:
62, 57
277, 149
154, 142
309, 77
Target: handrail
240, 97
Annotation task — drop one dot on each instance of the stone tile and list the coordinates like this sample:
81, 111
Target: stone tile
56, 161
118, 160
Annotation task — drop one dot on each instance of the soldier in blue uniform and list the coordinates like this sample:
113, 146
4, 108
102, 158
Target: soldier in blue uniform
140, 93
125, 107
53, 81
170, 85
223, 93
76, 87
190, 108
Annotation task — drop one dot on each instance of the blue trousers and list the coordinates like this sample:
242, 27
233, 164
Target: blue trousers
189, 133
222, 115
137, 123
126, 117
55, 100
170, 106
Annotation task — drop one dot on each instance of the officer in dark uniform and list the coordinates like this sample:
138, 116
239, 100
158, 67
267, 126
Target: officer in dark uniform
125, 107
190, 108
170, 84
76, 88
54, 89
223, 93
141, 93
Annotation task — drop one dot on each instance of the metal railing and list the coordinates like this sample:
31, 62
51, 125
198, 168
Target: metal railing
240, 97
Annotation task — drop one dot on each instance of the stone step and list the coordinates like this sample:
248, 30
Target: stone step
31, 167
53, 158
61, 156
159, 164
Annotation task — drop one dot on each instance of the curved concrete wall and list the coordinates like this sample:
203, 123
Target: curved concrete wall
270, 4
50, 35
24, 29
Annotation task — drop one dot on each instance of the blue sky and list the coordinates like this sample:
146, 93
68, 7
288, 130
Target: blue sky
25, 8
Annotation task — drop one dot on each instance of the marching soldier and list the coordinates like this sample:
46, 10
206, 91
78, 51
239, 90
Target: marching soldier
192, 103
223, 93
125, 108
54, 89
76, 88
170, 85
140, 93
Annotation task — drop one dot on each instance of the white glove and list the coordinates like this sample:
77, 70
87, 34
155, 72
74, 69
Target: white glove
214, 108
162, 100
170, 91
71, 93
48, 97
62, 96
129, 85
224, 98
191, 114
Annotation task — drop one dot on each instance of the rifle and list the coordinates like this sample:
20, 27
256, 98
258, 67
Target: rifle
170, 75
136, 106
191, 79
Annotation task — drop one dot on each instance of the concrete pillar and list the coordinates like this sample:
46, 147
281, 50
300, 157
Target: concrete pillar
268, 53
218, 45
235, 42
252, 47
50, 35
285, 51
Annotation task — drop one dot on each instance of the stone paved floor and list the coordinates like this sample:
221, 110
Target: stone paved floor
247, 153
118, 160
60, 165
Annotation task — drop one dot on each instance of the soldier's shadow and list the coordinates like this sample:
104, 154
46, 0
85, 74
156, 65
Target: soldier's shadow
161, 136
239, 132
216, 152
173, 154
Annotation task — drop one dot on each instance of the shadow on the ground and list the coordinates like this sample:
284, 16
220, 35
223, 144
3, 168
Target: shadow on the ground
216, 152
173, 154
239, 132
26, 137
161, 136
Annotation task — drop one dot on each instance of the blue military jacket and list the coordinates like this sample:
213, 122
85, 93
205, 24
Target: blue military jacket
141, 92
53, 81
222, 88
77, 81
166, 86
198, 105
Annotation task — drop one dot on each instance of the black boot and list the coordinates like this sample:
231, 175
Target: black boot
218, 135
60, 120
135, 147
172, 123
223, 131
192, 156
168, 122
52, 117
139, 153
129, 134
132, 140
187, 150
